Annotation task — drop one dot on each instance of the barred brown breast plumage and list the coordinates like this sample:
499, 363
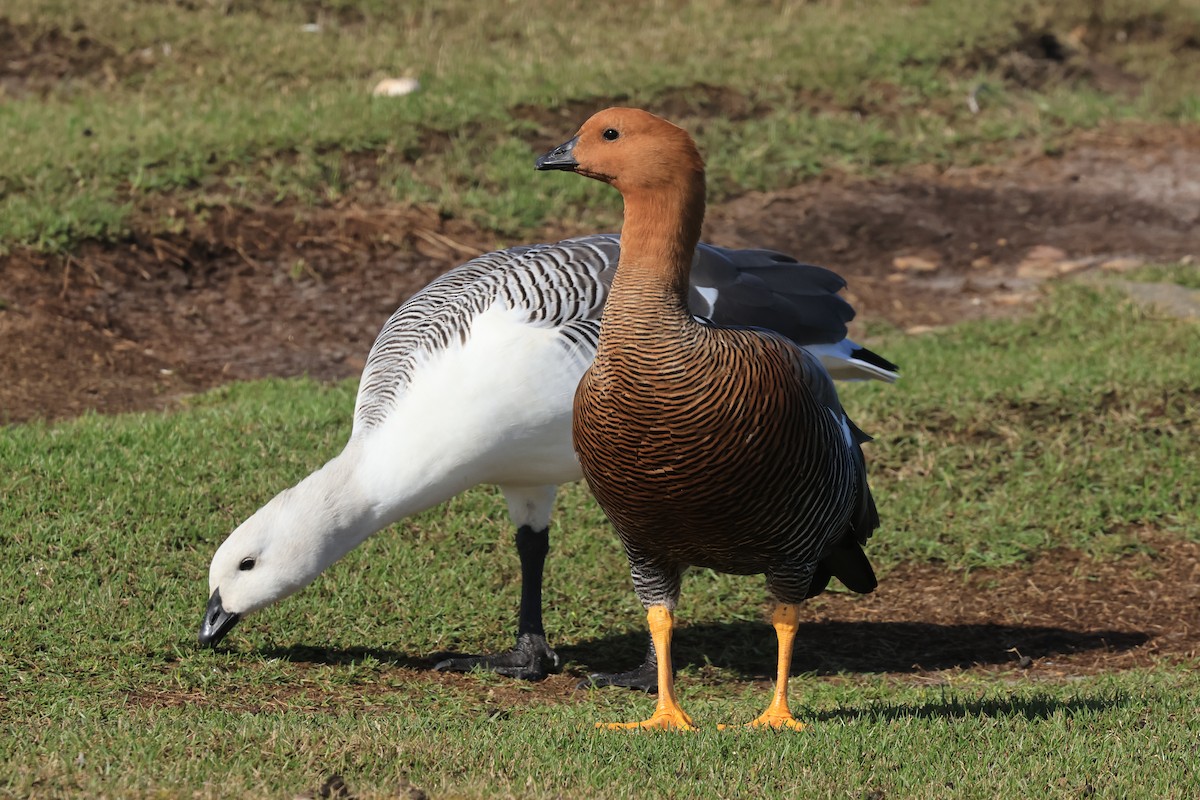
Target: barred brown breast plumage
710, 447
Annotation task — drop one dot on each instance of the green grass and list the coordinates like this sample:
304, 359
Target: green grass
1185, 275
1073, 426
232, 103
1127, 737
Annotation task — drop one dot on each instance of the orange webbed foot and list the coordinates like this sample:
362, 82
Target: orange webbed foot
663, 720
770, 720
667, 714
785, 619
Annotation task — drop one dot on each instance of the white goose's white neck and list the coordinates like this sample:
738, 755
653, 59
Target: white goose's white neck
372, 483
299, 533
496, 411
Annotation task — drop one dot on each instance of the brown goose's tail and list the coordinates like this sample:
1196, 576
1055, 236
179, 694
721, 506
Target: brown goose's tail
848, 563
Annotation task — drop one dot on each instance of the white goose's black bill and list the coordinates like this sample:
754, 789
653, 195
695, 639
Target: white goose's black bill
217, 621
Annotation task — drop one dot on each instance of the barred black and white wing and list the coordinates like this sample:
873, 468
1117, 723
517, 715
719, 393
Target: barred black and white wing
558, 286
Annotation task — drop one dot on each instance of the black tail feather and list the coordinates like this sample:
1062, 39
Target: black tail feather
849, 564
874, 359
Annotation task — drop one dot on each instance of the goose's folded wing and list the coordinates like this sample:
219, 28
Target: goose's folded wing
560, 286
766, 289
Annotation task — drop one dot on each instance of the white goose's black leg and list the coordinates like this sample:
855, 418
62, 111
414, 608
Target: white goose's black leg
531, 658
643, 678
657, 585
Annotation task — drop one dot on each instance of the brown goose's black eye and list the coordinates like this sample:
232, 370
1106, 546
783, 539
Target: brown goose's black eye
610, 134
247, 564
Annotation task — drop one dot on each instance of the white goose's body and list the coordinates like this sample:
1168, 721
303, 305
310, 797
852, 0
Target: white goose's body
471, 381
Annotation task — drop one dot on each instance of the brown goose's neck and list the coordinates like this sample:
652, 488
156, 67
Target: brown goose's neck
658, 239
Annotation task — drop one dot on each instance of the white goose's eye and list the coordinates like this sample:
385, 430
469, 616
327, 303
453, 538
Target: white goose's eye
247, 564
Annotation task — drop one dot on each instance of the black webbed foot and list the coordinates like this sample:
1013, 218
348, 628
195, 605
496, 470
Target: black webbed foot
531, 660
643, 678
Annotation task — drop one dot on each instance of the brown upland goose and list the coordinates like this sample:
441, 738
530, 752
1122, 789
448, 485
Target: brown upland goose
706, 446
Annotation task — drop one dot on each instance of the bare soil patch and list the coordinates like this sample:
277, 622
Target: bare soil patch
39, 61
1062, 614
242, 293
237, 295
936, 248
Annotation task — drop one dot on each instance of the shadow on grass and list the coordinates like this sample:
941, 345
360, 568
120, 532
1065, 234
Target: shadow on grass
822, 648
827, 648
346, 656
1037, 707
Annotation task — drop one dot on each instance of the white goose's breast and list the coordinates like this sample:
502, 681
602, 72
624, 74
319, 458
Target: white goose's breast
496, 409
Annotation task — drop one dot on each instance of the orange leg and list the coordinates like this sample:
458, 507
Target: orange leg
786, 621
667, 715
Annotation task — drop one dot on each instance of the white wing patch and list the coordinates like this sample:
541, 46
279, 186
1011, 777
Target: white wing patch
842, 422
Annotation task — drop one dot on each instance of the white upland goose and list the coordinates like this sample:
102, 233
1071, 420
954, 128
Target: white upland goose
471, 381
709, 446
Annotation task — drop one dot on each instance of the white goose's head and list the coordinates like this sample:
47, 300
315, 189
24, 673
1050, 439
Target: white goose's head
278, 551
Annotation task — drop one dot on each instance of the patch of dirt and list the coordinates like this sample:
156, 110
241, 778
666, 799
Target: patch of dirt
938, 247
1062, 614
242, 293
1065, 613
1093, 52
38, 61
1040, 58
236, 295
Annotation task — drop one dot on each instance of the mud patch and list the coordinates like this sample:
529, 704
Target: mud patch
940, 247
1108, 51
235, 295
1062, 614
282, 290
1041, 58
38, 62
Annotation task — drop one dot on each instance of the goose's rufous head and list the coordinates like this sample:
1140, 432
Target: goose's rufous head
631, 149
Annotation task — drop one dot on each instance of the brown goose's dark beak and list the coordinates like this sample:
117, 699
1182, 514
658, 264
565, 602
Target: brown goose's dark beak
217, 621
561, 157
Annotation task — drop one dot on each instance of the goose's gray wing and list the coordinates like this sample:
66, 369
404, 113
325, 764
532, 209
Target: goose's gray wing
561, 286
766, 289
